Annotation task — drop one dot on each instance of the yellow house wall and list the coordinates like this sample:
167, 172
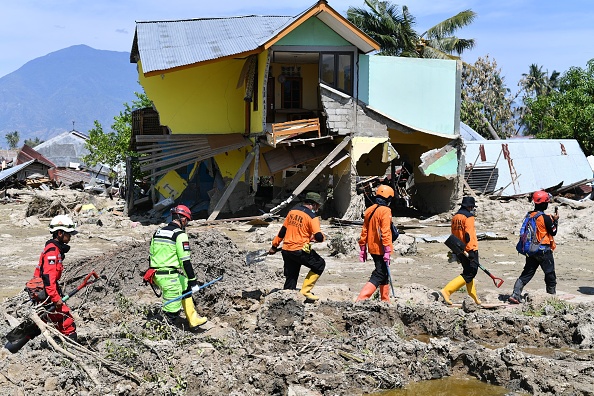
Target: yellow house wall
230, 161
200, 99
258, 115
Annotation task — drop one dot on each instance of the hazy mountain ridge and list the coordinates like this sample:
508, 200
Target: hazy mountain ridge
78, 83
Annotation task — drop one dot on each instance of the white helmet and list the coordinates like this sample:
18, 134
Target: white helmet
64, 223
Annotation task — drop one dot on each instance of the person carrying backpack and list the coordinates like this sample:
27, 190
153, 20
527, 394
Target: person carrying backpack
546, 229
463, 228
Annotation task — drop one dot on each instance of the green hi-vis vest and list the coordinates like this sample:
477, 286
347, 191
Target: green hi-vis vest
169, 248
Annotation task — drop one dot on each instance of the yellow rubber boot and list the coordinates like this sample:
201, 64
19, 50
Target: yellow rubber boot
367, 291
308, 284
385, 292
192, 316
451, 288
471, 290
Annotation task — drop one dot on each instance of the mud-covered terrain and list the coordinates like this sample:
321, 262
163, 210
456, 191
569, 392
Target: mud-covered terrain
264, 341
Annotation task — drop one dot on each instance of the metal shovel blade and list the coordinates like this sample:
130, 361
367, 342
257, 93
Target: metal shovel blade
256, 256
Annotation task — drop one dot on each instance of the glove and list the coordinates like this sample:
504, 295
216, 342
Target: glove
195, 289
272, 250
40, 310
192, 283
363, 253
387, 251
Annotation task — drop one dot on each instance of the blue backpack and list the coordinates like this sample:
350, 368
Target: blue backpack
529, 245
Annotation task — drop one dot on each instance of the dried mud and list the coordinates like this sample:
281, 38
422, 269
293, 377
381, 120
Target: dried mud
264, 341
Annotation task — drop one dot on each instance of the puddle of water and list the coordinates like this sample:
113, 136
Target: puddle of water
449, 386
554, 353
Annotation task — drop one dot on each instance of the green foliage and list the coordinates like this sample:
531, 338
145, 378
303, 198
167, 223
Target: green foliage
112, 148
12, 138
486, 100
549, 306
566, 112
125, 355
394, 31
33, 142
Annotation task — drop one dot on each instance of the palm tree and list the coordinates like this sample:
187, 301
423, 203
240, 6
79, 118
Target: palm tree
439, 41
538, 81
388, 26
394, 31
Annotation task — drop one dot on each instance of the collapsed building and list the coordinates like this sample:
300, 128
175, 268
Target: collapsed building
257, 110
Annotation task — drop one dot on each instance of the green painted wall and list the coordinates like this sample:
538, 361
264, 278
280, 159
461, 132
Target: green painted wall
421, 93
313, 32
200, 99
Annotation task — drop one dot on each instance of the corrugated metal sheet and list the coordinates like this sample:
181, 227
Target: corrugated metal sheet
63, 149
22, 171
14, 170
164, 45
527, 165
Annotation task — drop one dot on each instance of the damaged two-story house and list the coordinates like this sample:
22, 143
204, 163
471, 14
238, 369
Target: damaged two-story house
268, 107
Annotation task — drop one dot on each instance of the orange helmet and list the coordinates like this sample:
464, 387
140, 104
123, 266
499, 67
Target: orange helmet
182, 210
541, 197
385, 191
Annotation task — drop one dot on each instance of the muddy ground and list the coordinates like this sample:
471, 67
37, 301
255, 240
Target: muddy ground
264, 341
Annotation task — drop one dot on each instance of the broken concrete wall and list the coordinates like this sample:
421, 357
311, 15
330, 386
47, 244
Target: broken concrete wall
434, 194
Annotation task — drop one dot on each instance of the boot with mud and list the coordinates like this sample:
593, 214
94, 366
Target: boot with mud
171, 317
308, 283
471, 290
516, 297
385, 293
454, 285
367, 291
194, 320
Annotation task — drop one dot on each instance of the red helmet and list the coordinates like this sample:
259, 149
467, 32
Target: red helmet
385, 191
541, 197
182, 210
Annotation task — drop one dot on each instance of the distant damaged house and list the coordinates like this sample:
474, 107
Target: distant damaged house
514, 167
66, 151
262, 108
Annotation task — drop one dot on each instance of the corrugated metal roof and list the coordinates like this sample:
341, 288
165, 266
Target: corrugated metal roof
5, 174
533, 164
164, 45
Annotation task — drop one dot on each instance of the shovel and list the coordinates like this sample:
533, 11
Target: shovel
457, 247
257, 256
29, 328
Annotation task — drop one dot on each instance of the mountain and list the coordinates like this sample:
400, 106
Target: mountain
78, 83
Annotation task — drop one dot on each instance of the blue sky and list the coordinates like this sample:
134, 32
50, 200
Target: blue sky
516, 33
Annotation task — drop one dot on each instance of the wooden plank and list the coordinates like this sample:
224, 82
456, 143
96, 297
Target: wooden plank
312, 175
470, 190
256, 167
231, 186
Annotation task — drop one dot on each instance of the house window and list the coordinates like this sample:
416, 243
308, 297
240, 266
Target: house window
336, 70
291, 93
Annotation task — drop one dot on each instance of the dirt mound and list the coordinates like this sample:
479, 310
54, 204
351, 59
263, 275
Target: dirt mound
262, 340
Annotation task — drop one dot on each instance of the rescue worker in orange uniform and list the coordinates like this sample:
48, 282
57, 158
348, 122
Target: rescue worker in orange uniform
546, 229
463, 228
300, 228
50, 269
376, 238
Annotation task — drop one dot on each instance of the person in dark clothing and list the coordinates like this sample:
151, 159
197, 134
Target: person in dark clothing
300, 228
546, 229
463, 228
